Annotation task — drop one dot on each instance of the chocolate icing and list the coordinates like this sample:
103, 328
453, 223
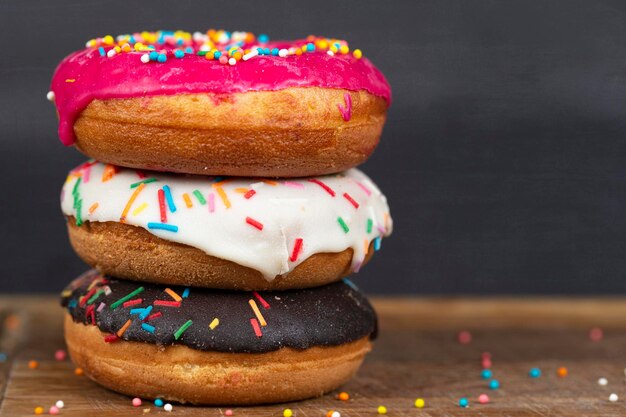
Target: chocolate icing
330, 315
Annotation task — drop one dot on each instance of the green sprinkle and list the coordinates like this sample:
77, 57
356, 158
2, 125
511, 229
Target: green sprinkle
343, 225
146, 181
182, 329
199, 196
79, 207
95, 297
76, 185
202, 53
369, 225
126, 298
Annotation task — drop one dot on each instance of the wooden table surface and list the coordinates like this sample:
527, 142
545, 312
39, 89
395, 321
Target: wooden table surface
417, 355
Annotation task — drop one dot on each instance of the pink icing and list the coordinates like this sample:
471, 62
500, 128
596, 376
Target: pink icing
124, 76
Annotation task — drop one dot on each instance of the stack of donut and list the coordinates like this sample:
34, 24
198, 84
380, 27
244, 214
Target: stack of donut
221, 212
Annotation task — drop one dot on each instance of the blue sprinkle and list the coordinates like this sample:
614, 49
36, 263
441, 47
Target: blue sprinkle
217, 55
162, 58
350, 284
3, 357
137, 311
168, 197
147, 327
266, 51
494, 384
263, 38
377, 243
310, 47
158, 402
534, 372
180, 41
72, 303
275, 51
145, 313
186, 293
153, 55
189, 50
162, 226
463, 402
101, 50
260, 51
179, 54
486, 374
218, 179
131, 39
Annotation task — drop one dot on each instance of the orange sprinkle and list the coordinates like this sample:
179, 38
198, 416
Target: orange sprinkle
79, 371
241, 190
173, 294
343, 396
39, 410
121, 331
33, 364
70, 80
257, 312
130, 202
220, 191
366, 246
93, 208
270, 182
562, 372
109, 172
220, 183
188, 202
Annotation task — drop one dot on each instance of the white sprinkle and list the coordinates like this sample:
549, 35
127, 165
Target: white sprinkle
145, 58
205, 47
198, 36
60, 404
329, 52
283, 53
613, 397
50, 96
603, 381
232, 61
168, 407
251, 54
111, 53
335, 414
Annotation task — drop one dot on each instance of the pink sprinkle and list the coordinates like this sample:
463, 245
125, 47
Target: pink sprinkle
293, 184
60, 355
464, 337
485, 355
136, 402
483, 398
211, 202
596, 334
86, 174
486, 363
364, 188
54, 410
228, 412
100, 307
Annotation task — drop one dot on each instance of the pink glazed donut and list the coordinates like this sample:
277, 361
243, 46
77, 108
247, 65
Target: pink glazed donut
221, 103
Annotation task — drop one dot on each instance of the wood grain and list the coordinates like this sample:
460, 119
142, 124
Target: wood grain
417, 355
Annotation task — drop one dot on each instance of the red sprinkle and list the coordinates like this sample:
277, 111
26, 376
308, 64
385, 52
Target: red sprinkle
351, 200
87, 296
161, 195
464, 337
296, 250
165, 303
254, 223
111, 338
256, 327
249, 194
260, 299
132, 302
91, 314
154, 316
324, 186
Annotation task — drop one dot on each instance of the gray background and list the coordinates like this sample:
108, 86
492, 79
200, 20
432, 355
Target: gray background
504, 155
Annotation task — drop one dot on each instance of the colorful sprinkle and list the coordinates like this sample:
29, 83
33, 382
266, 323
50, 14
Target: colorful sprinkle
351, 200
211, 202
136, 402
381, 409
463, 402
287, 412
343, 225
173, 294
214, 323
130, 202
187, 200
163, 212
169, 198
494, 384
534, 373
93, 208
483, 399
185, 293
147, 327
164, 303
126, 298
162, 226
297, 247
249, 194
140, 208
220, 191
125, 327
154, 316
146, 181
343, 396
256, 328
182, 329
131, 303
464, 337
324, 186
562, 372
254, 223
419, 403
257, 312
200, 197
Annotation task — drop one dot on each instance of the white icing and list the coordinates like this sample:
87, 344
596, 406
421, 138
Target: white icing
288, 210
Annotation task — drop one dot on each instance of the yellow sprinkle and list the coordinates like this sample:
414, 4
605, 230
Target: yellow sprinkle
257, 312
108, 39
139, 209
382, 409
357, 53
419, 403
70, 80
188, 202
220, 191
130, 202
344, 49
39, 410
93, 208
287, 412
214, 323
173, 294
